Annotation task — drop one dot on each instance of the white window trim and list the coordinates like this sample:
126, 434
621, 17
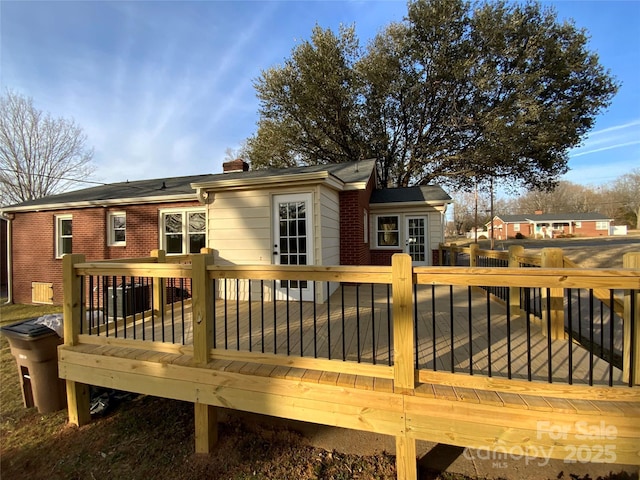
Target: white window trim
516, 227
185, 234
602, 225
59, 218
399, 231
366, 226
111, 231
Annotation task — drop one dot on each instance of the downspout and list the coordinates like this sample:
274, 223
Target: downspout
9, 301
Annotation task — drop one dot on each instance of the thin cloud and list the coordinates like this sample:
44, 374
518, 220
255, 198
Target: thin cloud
604, 149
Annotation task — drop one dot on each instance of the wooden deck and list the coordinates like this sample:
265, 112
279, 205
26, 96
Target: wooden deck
439, 371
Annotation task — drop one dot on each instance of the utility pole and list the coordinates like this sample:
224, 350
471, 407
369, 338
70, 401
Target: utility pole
491, 208
475, 224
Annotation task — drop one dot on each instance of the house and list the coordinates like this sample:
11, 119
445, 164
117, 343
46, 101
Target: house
549, 225
315, 215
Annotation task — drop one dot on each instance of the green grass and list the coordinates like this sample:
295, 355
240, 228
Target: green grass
13, 313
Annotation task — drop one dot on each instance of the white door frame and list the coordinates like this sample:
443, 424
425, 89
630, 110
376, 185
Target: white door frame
298, 249
411, 241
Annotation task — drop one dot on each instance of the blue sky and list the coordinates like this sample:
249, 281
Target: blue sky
165, 88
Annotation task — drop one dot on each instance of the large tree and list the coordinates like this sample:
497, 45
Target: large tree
626, 191
454, 93
39, 155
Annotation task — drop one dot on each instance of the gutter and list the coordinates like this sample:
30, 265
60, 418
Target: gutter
8, 219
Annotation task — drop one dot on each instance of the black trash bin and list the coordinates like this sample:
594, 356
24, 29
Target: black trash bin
35, 348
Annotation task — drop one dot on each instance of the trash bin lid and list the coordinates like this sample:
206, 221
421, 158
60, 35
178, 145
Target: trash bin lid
27, 329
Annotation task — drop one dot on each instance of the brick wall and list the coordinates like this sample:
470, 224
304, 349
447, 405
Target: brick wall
33, 239
353, 204
382, 257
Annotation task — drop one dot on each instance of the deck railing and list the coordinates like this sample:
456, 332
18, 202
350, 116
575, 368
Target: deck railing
400, 322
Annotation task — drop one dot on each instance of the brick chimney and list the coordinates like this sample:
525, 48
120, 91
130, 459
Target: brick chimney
538, 212
237, 165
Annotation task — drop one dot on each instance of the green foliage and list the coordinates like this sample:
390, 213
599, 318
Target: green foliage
454, 93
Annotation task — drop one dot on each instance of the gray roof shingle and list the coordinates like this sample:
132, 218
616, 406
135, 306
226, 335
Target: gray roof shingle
422, 193
347, 172
553, 217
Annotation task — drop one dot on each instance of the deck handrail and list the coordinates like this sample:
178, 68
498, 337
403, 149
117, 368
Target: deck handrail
403, 279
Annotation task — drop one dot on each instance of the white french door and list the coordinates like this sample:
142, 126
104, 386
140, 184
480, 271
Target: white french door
293, 241
416, 244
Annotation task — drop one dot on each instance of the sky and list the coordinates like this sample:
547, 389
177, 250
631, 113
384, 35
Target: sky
165, 88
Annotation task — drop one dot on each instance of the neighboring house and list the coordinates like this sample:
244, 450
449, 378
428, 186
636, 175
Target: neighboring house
317, 215
549, 225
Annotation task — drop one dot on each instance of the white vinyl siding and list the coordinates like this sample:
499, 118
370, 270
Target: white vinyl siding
240, 227
329, 212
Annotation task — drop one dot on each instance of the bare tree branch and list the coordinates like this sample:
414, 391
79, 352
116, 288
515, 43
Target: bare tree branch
39, 155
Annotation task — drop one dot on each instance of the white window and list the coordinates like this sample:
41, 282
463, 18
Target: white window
64, 235
602, 225
516, 227
183, 231
578, 224
117, 229
388, 231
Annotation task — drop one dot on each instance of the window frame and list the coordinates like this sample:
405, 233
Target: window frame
186, 234
365, 221
59, 246
397, 231
602, 225
111, 230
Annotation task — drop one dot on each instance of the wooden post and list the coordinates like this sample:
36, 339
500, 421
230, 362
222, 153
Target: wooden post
402, 284
473, 254
440, 254
77, 393
631, 325
552, 298
406, 462
159, 284
452, 255
404, 369
206, 419
515, 251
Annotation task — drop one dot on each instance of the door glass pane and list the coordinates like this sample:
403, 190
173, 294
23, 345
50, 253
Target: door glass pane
416, 234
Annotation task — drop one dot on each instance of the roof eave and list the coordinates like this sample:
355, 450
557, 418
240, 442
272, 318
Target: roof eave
411, 204
101, 203
270, 181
